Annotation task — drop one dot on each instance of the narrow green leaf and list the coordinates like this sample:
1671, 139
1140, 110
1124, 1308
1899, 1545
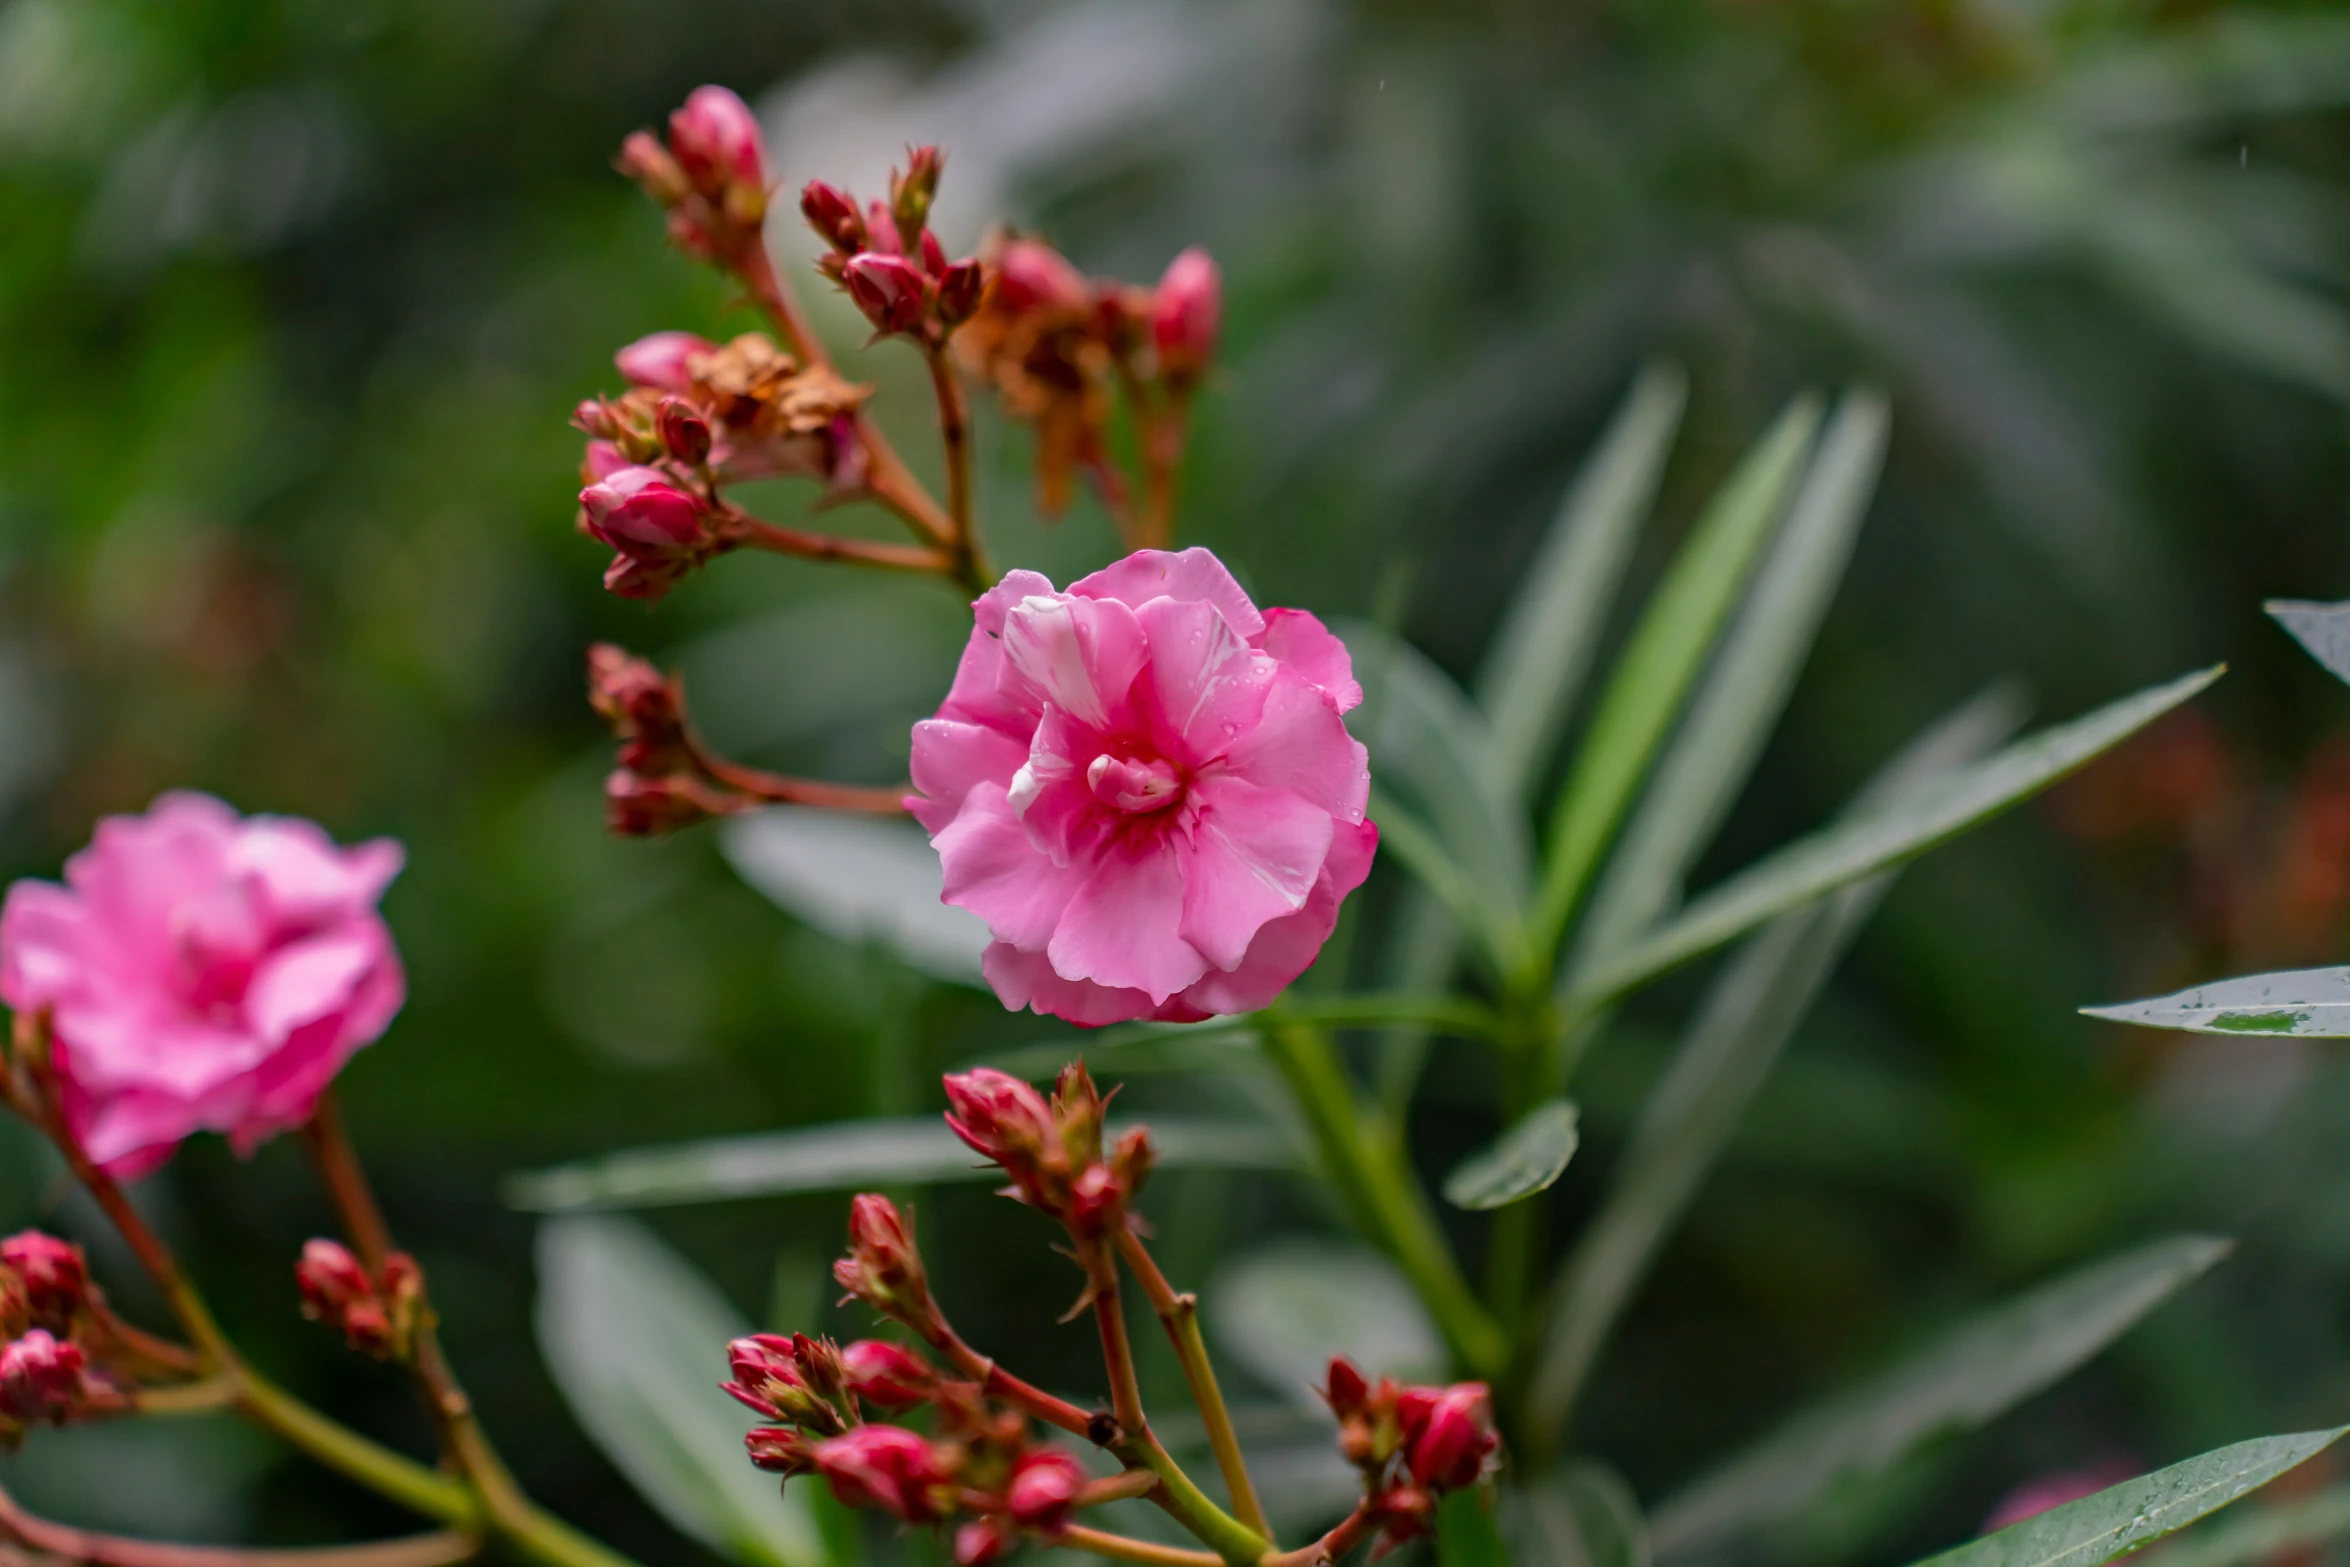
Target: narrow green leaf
1536, 662
1747, 686
2312, 1003
1986, 1366
637, 1341
1466, 1534
1284, 1311
1581, 1514
1839, 854
2123, 1518
2262, 1536
2324, 629
1526, 1159
1744, 1022
915, 1151
1676, 632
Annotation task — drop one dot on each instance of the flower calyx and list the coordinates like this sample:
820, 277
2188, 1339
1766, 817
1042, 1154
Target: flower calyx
1412, 1443
1052, 1150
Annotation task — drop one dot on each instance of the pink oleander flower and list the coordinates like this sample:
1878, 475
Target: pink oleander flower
204, 972
1144, 787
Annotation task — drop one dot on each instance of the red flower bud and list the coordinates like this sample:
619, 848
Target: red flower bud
1043, 1492
685, 434
886, 1374
890, 1468
890, 290
783, 1379
659, 360
1031, 275
330, 1280
659, 531
881, 231
56, 1280
1346, 1389
593, 416
780, 1450
882, 1268
959, 289
832, 213
982, 1540
639, 807
1096, 1198
1453, 1439
1185, 314
715, 139
1002, 1119
41, 1378
934, 255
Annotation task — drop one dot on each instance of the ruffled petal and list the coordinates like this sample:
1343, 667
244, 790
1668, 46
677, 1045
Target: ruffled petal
1124, 926
951, 757
1287, 947
1300, 744
1026, 979
304, 876
1079, 655
44, 939
993, 870
1206, 687
1254, 856
307, 981
1302, 642
1192, 575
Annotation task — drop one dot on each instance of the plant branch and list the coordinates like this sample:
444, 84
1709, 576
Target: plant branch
1179, 1314
186, 1398
954, 428
438, 1549
1119, 1547
1351, 1531
1001, 1385
1362, 1154
748, 532
807, 791
1118, 1488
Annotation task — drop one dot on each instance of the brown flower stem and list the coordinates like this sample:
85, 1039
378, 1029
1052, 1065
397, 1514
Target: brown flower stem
1001, 1385
462, 1438
1124, 1548
1118, 1488
440, 1548
1179, 1314
186, 1398
891, 482
749, 533
954, 426
1351, 1531
1109, 1316
780, 789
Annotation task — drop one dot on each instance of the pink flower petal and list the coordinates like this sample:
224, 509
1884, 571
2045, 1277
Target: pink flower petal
1254, 855
1026, 979
44, 931
307, 981
993, 870
1302, 642
1124, 926
1299, 744
1079, 655
1287, 947
1192, 575
951, 756
1206, 686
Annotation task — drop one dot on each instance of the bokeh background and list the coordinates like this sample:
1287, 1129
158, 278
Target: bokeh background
295, 297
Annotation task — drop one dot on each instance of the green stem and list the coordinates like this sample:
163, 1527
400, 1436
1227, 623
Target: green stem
380, 1469
1363, 1156
1215, 1528
1529, 1061
1179, 1314
1450, 1014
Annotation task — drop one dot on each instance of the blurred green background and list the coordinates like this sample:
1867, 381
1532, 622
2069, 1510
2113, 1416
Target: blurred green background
294, 300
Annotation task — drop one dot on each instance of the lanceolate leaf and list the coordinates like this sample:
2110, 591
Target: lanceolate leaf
1526, 1159
1676, 632
917, 1150
1474, 906
1986, 1366
2309, 1002
2122, 1518
2324, 629
1747, 686
1536, 662
637, 1341
1744, 1022
2261, 1536
1848, 851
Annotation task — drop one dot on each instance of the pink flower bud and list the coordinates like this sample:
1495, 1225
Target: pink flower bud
1454, 1439
890, 1468
56, 1280
1185, 314
659, 360
330, 1280
601, 460
886, 1374
647, 162
882, 1268
982, 1540
881, 231
636, 806
1096, 1198
890, 290
715, 139
832, 213
593, 416
773, 1377
1031, 275
959, 289
780, 1450
934, 255
660, 531
1002, 1119
41, 1378
684, 433
1043, 1492
644, 708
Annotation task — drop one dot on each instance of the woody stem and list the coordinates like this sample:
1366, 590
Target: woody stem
1179, 1314
1351, 1531
997, 1383
537, 1533
891, 482
749, 533
437, 1549
954, 427
806, 791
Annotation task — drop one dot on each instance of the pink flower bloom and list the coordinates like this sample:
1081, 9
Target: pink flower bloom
659, 361
204, 971
1144, 787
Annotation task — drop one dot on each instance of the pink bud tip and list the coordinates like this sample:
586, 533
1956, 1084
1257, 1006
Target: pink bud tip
1000, 1117
41, 1377
56, 1280
832, 213
886, 1374
1186, 312
1044, 1488
1031, 275
715, 138
890, 290
659, 360
1454, 1437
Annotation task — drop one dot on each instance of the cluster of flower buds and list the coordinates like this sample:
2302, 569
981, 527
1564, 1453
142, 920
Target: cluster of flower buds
711, 176
665, 780
889, 260
883, 1269
1052, 1150
1052, 342
696, 415
46, 1311
377, 1316
1412, 1444
976, 1463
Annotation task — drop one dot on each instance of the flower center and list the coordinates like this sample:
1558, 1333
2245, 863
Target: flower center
1134, 784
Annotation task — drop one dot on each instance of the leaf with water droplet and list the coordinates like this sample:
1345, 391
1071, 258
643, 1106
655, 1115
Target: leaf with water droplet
1526, 1159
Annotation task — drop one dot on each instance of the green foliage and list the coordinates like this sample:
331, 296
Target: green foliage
1527, 1159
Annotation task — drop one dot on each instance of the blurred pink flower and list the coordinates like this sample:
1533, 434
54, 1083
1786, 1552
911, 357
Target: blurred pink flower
660, 359
204, 971
1144, 787
2045, 1491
